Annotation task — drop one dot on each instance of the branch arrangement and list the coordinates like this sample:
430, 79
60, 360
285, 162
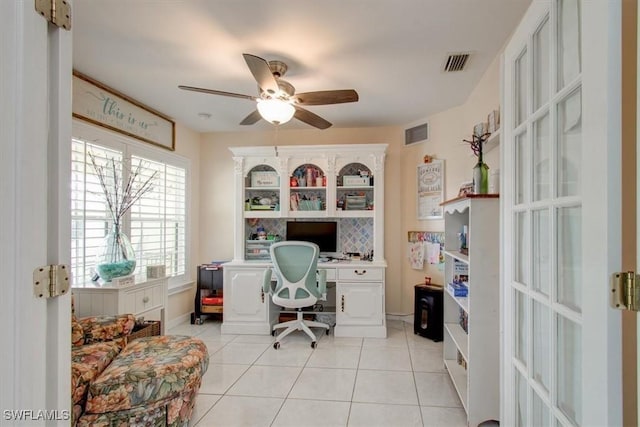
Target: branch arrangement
119, 200
476, 143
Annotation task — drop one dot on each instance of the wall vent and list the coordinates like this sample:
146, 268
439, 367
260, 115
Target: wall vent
416, 134
456, 62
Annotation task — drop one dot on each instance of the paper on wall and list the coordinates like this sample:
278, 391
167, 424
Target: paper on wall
416, 255
432, 254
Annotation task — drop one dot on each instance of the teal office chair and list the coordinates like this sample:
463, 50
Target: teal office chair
298, 285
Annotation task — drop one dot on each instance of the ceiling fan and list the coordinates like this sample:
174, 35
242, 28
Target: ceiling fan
277, 101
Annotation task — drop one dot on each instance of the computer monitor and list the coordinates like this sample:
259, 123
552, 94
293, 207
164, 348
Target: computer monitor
322, 233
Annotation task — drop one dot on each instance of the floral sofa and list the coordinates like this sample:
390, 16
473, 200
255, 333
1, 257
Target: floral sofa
150, 381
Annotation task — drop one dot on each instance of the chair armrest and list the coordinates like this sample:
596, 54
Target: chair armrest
321, 276
266, 281
107, 328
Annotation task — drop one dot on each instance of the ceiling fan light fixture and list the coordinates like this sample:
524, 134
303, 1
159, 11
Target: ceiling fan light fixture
275, 111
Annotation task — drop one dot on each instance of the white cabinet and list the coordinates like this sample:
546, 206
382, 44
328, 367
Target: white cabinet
359, 304
246, 306
471, 323
333, 183
146, 299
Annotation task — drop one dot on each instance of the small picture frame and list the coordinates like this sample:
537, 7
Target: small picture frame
480, 129
466, 188
493, 121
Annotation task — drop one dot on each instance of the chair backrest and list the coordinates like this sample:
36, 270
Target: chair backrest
295, 265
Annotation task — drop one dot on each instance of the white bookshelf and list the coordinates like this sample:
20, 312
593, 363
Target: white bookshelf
472, 357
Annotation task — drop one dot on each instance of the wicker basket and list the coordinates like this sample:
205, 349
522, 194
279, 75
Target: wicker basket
147, 329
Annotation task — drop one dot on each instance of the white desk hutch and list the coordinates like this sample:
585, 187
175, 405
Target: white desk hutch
341, 183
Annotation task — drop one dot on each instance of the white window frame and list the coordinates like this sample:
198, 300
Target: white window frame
131, 147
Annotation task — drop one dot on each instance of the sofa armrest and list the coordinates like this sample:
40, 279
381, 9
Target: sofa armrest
106, 328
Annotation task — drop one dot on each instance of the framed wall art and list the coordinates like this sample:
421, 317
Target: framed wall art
430, 190
99, 104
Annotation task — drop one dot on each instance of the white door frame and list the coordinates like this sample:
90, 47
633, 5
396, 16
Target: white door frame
35, 129
601, 214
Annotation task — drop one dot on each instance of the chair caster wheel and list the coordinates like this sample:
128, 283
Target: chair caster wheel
276, 345
314, 344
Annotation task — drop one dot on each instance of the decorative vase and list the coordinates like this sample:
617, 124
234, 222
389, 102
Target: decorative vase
480, 177
116, 257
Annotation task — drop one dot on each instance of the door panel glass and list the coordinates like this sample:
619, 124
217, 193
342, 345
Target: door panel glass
520, 330
521, 88
522, 175
541, 159
568, 369
568, 45
541, 64
521, 244
569, 262
539, 411
541, 345
569, 144
521, 400
541, 251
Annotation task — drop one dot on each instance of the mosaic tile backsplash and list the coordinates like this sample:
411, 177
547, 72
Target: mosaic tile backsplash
355, 234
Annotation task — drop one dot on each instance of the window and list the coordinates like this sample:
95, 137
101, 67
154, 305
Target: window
156, 224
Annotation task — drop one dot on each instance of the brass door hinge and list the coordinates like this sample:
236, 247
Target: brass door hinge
624, 291
58, 12
50, 281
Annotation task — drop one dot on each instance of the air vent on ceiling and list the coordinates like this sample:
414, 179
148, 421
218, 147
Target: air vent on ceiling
456, 62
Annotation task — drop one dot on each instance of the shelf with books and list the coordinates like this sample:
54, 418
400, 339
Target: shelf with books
471, 333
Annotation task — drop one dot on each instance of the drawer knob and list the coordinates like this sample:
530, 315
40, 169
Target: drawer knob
145, 300
360, 273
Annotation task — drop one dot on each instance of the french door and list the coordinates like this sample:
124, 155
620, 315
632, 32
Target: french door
561, 343
35, 129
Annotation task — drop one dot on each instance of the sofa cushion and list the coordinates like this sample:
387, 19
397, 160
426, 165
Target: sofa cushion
106, 328
148, 370
77, 333
87, 362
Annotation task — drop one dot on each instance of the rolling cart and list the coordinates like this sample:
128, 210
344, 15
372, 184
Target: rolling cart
209, 297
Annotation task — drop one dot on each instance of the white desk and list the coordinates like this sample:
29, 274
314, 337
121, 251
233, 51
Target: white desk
359, 298
147, 299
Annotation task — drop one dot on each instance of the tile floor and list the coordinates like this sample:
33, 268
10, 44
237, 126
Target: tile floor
397, 381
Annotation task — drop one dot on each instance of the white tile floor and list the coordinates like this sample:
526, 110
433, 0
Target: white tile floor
397, 381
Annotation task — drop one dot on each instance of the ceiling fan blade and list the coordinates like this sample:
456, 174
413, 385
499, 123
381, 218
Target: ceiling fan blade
251, 118
310, 118
217, 92
262, 73
325, 97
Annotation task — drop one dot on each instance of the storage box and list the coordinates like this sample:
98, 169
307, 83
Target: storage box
355, 203
458, 289
310, 205
355, 181
265, 179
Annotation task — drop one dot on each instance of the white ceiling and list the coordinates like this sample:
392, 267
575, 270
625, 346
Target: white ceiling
390, 51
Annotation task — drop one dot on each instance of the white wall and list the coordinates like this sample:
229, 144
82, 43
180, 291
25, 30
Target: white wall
447, 130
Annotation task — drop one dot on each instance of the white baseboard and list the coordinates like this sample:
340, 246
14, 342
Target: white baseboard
178, 320
407, 318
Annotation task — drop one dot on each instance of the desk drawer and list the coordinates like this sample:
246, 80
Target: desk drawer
361, 273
